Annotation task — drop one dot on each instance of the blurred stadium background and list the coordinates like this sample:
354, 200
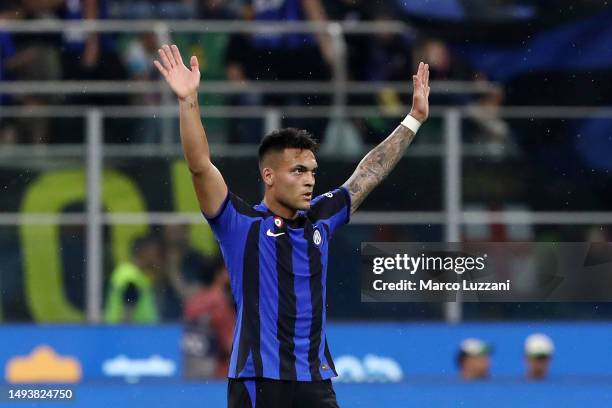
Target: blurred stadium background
518, 148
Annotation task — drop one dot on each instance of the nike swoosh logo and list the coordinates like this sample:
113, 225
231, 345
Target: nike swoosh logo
271, 234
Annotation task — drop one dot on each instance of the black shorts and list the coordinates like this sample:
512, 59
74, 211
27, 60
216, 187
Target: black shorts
266, 393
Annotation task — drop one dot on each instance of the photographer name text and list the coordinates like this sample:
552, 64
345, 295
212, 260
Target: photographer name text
430, 285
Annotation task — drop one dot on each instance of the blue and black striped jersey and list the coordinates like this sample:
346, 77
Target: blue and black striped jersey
278, 272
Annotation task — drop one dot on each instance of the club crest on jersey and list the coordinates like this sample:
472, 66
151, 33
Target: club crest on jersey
278, 222
316, 237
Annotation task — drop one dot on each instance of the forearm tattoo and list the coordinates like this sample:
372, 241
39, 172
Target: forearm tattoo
377, 164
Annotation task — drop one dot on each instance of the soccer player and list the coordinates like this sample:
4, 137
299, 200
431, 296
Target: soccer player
276, 251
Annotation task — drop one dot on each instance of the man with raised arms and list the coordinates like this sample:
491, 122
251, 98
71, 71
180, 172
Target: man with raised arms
276, 251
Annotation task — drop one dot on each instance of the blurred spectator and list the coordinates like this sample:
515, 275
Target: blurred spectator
137, 58
290, 56
9, 10
487, 126
388, 57
8, 132
138, 55
131, 296
181, 257
277, 57
442, 63
216, 9
36, 59
473, 359
351, 11
210, 48
90, 55
7, 54
539, 349
15, 63
286, 56
209, 317
185, 269
240, 66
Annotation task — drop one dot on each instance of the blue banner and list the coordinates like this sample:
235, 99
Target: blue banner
430, 350
380, 364
73, 354
383, 352
578, 46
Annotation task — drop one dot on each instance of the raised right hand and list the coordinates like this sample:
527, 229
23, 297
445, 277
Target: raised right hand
183, 81
420, 95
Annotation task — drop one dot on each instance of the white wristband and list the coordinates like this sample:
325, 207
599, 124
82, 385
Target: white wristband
411, 123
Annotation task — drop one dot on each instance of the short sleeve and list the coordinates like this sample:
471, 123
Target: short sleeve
333, 208
229, 220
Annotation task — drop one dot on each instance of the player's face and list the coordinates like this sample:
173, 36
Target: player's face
294, 178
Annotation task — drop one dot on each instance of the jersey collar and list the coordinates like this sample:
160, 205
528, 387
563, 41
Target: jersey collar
297, 222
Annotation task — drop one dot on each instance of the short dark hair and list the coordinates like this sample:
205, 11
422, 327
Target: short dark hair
288, 138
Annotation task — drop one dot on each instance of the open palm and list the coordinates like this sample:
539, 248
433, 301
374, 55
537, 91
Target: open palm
183, 81
420, 95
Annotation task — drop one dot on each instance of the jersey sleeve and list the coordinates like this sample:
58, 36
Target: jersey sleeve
228, 221
333, 208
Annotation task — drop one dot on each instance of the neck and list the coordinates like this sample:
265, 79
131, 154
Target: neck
279, 209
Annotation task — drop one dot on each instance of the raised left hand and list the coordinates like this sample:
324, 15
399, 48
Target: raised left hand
420, 95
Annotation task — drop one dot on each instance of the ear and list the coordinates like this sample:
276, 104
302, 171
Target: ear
267, 175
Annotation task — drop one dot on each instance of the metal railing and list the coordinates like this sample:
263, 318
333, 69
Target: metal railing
446, 87
337, 31
452, 150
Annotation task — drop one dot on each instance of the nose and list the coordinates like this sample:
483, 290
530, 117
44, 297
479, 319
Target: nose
310, 180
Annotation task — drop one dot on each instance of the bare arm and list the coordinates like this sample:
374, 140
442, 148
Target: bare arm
315, 12
379, 162
92, 45
208, 183
376, 165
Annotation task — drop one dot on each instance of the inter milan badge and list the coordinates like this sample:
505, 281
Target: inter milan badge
278, 222
316, 238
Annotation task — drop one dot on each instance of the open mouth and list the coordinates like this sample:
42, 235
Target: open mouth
307, 196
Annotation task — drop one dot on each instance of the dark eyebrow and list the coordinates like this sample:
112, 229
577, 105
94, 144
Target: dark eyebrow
302, 167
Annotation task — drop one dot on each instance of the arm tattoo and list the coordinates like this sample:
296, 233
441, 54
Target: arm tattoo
377, 164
